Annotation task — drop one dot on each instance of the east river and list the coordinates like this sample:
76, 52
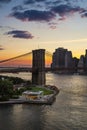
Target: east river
68, 112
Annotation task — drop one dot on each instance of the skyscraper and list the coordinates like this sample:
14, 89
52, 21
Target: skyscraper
81, 64
58, 59
86, 58
68, 59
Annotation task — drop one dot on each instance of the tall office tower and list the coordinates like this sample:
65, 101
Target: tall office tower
53, 65
58, 59
38, 67
86, 58
81, 64
86, 61
68, 59
75, 64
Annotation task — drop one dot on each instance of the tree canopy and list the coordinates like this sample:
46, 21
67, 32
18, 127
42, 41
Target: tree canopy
6, 88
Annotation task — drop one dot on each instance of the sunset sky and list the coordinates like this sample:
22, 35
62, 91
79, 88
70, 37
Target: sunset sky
26, 25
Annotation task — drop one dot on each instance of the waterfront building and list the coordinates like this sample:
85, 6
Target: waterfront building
81, 64
54, 62
62, 59
75, 64
86, 61
86, 58
58, 58
29, 95
68, 59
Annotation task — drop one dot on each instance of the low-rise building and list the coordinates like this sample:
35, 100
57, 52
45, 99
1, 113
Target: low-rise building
29, 95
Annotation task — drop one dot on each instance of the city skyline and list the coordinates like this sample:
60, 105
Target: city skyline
26, 25
61, 56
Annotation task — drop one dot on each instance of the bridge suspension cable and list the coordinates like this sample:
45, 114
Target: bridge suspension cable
13, 58
24, 60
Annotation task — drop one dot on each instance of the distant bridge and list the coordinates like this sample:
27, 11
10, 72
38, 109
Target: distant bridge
15, 65
18, 63
29, 69
38, 65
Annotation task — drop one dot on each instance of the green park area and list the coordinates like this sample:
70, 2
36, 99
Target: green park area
45, 90
7, 90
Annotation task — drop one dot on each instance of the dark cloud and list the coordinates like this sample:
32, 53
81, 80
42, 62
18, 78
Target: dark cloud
47, 10
84, 15
64, 9
52, 25
52, 1
5, 1
20, 34
2, 2
55, 2
17, 8
33, 15
40, 0
33, 1
29, 1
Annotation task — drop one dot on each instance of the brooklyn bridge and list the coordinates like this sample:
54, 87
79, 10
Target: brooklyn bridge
35, 62
36, 65
25, 62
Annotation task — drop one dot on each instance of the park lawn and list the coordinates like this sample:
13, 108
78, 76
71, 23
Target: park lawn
45, 91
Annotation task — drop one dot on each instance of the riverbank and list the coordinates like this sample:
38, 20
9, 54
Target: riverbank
47, 99
38, 102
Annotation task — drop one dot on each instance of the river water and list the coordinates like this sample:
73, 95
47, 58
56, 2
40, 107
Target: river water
68, 112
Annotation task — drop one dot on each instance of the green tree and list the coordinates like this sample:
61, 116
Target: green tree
6, 89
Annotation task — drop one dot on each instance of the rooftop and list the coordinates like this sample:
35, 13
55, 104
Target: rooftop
32, 93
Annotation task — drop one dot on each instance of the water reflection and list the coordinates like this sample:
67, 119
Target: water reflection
69, 111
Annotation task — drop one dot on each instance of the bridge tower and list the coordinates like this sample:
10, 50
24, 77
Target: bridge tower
38, 67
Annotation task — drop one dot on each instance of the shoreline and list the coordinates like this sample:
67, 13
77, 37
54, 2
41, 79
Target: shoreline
38, 102
48, 101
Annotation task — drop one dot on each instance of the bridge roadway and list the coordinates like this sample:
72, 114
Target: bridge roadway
29, 69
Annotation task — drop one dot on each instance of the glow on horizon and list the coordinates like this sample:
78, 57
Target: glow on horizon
25, 61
